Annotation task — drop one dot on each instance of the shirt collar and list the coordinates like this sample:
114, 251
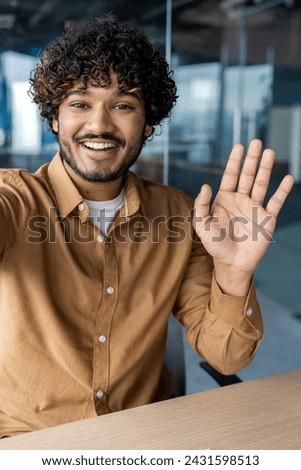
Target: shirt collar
132, 197
68, 197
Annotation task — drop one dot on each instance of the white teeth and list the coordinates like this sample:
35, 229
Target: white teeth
99, 145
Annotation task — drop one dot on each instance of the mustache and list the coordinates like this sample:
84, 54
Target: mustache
106, 136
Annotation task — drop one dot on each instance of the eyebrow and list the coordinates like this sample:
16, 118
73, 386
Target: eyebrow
75, 91
83, 92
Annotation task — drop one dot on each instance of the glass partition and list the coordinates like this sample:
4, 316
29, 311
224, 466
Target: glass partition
225, 63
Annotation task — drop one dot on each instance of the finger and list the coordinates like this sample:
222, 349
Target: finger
202, 203
248, 172
232, 170
262, 179
277, 200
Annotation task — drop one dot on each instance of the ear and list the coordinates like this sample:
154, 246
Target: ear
55, 125
148, 130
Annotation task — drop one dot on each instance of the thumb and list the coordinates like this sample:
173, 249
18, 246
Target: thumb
202, 203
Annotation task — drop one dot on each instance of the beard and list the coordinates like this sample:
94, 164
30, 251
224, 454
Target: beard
101, 175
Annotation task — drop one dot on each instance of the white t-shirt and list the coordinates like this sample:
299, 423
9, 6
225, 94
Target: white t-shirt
103, 213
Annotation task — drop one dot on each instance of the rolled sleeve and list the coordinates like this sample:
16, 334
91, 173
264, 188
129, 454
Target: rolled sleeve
232, 330
238, 312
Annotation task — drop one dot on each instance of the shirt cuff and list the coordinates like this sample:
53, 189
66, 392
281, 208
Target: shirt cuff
236, 311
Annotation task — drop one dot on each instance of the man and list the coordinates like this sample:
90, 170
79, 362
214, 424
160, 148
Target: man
94, 259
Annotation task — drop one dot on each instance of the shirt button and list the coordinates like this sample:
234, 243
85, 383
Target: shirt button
99, 394
110, 290
81, 207
100, 238
102, 338
249, 312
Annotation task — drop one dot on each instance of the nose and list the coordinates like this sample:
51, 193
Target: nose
100, 121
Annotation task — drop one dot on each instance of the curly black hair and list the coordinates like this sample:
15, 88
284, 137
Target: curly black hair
87, 52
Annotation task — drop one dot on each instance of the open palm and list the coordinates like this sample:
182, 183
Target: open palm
237, 230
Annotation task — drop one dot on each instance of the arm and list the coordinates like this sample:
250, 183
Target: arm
13, 208
217, 301
224, 330
237, 230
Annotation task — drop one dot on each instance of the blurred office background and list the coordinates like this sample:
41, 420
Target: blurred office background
238, 69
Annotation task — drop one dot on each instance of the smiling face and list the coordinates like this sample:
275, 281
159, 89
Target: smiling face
101, 130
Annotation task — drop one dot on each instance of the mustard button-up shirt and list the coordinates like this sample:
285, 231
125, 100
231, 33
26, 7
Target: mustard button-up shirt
83, 317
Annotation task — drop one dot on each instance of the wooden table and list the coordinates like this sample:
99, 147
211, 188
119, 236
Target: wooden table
258, 414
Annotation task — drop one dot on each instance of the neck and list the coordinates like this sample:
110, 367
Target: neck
94, 191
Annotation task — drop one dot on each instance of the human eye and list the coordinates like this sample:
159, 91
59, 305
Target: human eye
123, 106
78, 105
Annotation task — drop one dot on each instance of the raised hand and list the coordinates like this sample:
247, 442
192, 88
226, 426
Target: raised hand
237, 230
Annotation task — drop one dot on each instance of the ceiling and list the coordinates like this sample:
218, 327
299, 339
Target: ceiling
199, 28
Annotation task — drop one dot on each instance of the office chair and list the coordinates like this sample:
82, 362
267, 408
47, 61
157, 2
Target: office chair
174, 356
221, 379
175, 360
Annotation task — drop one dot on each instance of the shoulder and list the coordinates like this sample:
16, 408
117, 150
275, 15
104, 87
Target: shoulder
22, 176
14, 177
20, 184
